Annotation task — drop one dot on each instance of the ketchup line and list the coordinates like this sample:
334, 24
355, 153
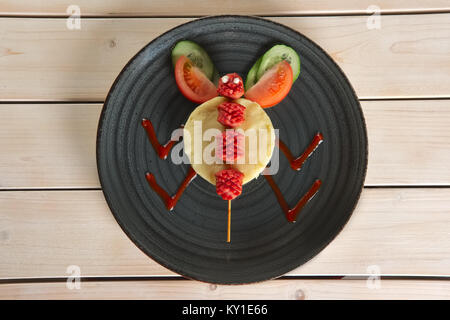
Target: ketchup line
296, 163
161, 150
170, 201
291, 213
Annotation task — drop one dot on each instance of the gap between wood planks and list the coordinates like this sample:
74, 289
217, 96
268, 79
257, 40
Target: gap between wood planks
99, 188
181, 278
308, 15
102, 101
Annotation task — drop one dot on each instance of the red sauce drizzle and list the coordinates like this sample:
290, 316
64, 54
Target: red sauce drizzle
170, 201
161, 150
296, 163
291, 214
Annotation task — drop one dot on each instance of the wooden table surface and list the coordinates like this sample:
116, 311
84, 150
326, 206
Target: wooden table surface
53, 81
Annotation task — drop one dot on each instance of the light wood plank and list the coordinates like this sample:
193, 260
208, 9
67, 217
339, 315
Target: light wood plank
48, 146
42, 60
400, 231
53, 145
270, 290
211, 7
409, 142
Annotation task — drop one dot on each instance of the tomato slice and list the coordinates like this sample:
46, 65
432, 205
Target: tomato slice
192, 82
273, 86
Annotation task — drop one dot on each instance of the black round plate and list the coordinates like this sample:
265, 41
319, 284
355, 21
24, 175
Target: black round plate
191, 240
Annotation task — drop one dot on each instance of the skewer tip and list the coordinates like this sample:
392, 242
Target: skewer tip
229, 222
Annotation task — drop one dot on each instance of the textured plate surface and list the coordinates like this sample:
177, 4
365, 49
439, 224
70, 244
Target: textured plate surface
190, 240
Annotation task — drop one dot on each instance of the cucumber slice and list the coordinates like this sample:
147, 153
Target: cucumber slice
251, 76
196, 54
276, 54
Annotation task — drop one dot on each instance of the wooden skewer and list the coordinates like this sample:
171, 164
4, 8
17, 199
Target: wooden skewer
229, 221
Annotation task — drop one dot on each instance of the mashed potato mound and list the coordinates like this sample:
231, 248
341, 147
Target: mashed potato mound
255, 118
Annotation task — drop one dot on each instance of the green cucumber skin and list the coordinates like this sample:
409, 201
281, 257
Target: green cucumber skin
194, 52
267, 58
251, 76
